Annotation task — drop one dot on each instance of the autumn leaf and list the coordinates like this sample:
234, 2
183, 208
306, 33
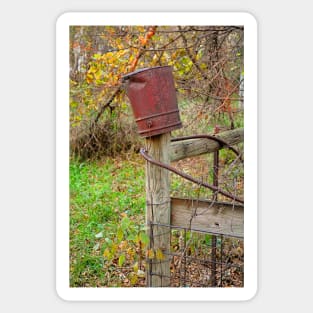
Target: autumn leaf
144, 238
159, 255
133, 279
142, 40
150, 254
120, 234
135, 267
121, 260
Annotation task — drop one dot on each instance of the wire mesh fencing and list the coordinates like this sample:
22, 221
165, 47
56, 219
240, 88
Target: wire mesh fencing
198, 259
205, 237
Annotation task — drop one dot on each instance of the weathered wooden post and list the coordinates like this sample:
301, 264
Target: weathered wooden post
158, 211
153, 98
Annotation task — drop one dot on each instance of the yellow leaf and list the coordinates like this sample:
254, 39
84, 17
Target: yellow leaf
98, 75
106, 253
89, 78
92, 69
135, 266
159, 255
150, 254
133, 279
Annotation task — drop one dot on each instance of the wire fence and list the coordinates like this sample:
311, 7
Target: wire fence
199, 258
206, 241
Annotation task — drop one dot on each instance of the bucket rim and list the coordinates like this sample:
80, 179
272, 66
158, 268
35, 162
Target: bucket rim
128, 75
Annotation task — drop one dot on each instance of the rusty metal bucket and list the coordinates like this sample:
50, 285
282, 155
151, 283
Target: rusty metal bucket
152, 94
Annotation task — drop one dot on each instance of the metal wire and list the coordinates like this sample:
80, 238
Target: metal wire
148, 158
198, 268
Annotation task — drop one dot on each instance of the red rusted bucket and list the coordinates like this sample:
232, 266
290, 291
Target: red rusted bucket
152, 94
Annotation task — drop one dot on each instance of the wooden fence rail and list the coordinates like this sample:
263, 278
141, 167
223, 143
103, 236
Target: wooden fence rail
193, 147
222, 218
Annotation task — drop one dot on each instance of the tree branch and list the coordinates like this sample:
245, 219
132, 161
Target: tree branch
149, 34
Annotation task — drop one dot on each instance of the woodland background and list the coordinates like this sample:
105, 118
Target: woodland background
208, 71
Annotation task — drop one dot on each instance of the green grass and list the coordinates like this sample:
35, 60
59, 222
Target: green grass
108, 243
107, 201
